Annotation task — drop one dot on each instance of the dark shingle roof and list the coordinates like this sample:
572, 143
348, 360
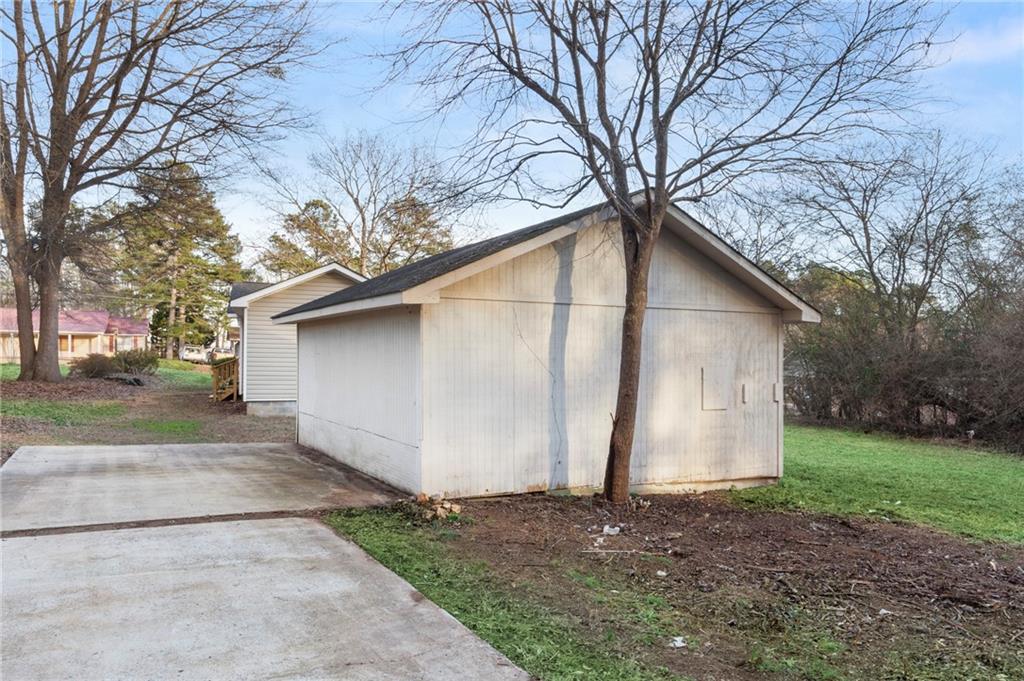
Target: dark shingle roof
424, 270
244, 288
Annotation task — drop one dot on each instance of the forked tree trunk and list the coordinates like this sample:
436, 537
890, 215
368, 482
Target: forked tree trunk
47, 362
638, 265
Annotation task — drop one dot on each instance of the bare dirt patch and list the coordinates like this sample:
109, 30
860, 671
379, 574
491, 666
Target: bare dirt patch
754, 594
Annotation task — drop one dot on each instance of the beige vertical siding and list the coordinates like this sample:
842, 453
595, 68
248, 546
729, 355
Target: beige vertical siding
359, 392
270, 349
520, 365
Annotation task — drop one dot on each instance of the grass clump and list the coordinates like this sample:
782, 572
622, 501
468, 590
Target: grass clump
544, 642
63, 413
963, 491
183, 428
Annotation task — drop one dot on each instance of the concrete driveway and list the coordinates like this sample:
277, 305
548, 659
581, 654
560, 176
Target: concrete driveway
54, 487
210, 587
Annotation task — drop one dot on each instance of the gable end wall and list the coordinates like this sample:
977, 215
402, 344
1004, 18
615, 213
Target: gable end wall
270, 349
520, 365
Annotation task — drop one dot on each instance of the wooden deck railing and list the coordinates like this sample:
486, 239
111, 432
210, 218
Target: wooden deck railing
225, 379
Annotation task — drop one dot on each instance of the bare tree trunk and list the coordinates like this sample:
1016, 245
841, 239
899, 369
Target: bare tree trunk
23, 303
638, 264
47, 359
169, 337
19, 257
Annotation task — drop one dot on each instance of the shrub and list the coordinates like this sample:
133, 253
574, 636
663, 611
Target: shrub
93, 366
136, 362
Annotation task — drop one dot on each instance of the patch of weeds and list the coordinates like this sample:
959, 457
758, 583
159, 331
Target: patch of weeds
589, 581
786, 640
940, 662
653, 620
62, 413
542, 641
768, 659
184, 428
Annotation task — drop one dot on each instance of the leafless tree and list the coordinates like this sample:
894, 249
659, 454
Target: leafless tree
919, 272
903, 220
374, 187
658, 101
760, 226
97, 92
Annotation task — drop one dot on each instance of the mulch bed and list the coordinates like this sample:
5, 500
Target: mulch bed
73, 389
873, 586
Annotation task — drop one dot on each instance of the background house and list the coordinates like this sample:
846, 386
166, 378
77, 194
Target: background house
493, 368
82, 332
267, 352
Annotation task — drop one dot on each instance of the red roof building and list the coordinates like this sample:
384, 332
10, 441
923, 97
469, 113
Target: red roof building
82, 332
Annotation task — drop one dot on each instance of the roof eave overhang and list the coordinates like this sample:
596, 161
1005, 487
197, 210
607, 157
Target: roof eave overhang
429, 291
243, 301
794, 309
342, 309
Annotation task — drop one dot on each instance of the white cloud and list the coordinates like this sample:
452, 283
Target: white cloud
986, 45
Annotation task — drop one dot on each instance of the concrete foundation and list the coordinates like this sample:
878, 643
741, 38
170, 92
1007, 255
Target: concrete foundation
270, 408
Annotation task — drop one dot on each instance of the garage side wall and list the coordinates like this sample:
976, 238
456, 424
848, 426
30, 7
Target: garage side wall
521, 366
359, 392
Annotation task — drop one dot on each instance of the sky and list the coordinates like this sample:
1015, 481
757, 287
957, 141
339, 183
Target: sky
976, 91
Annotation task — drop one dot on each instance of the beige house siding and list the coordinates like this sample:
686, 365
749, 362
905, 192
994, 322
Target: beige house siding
75, 345
269, 355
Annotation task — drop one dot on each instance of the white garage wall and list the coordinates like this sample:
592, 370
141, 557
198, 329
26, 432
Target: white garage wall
519, 384
359, 387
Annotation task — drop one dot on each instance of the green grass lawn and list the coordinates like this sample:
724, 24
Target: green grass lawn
544, 642
963, 491
183, 375
63, 413
174, 372
9, 372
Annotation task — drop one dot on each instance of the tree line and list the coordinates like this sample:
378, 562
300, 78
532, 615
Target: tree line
916, 261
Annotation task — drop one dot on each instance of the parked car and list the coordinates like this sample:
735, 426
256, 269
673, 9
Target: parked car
219, 353
193, 353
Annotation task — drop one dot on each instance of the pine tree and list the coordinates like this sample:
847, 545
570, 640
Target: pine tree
179, 255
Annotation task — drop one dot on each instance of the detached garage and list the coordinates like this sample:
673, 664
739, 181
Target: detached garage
492, 368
